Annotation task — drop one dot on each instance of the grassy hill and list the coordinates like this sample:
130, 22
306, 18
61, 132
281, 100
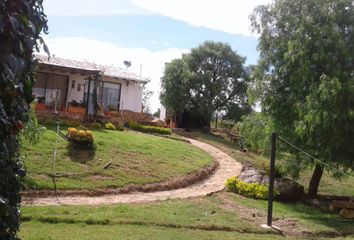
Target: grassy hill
135, 158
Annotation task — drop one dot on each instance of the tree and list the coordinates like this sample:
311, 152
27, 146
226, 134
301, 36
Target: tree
206, 80
157, 113
147, 94
305, 76
21, 23
235, 112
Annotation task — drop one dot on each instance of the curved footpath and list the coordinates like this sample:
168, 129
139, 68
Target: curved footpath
228, 167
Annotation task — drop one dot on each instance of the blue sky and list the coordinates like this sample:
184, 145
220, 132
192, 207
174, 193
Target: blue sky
147, 32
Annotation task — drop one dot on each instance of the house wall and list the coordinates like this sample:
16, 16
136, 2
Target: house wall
131, 94
76, 93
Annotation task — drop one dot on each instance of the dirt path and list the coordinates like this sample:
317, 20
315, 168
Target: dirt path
228, 167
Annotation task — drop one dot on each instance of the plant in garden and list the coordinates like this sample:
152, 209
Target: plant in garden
20, 27
250, 190
110, 126
305, 79
96, 125
33, 130
149, 129
80, 135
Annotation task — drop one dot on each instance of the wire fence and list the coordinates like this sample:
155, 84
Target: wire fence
312, 157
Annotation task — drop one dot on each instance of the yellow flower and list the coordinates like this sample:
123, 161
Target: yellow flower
81, 134
72, 132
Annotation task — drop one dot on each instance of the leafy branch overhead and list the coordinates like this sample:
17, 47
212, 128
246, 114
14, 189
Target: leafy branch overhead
21, 23
305, 77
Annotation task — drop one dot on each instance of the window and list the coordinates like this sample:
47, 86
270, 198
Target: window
51, 89
109, 95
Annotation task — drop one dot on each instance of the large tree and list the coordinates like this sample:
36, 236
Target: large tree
21, 23
203, 81
305, 77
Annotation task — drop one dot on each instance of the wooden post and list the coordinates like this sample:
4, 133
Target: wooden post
271, 180
88, 96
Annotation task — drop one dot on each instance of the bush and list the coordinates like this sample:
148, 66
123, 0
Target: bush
110, 126
250, 190
33, 130
96, 125
149, 129
120, 128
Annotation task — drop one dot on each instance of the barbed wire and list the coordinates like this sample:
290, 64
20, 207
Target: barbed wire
314, 158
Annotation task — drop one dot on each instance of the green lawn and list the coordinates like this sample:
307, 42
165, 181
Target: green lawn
136, 158
328, 185
220, 216
40, 231
201, 218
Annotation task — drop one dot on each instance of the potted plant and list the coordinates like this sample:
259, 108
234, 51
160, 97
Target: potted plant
40, 104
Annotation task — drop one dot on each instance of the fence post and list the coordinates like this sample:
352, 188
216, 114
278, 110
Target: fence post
271, 180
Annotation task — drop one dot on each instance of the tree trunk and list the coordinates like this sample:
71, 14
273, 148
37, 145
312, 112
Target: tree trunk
315, 180
216, 121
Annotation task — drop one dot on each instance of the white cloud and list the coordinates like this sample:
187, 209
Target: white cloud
231, 16
227, 15
111, 54
91, 7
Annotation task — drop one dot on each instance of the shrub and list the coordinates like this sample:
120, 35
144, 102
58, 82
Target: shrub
96, 125
149, 129
110, 126
33, 130
226, 125
250, 190
120, 128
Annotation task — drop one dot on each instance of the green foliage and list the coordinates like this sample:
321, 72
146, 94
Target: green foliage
204, 81
33, 130
120, 128
250, 190
256, 130
235, 112
225, 125
20, 26
157, 113
279, 171
96, 125
305, 79
149, 129
109, 126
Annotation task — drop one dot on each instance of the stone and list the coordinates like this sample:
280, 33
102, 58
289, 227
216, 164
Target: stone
251, 176
288, 189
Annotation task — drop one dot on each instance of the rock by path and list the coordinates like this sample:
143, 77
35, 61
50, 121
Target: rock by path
228, 167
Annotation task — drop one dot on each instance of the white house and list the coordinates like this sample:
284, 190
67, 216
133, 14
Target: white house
65, 85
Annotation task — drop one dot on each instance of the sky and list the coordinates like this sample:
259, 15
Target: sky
148, 33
